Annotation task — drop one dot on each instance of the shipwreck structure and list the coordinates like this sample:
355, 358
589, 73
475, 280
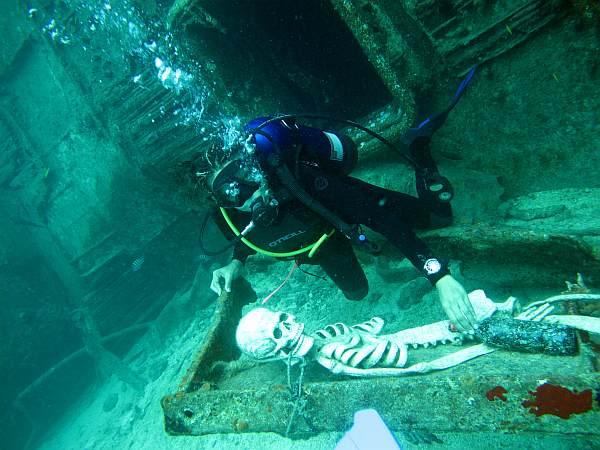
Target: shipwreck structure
398, 48
221, 394
87, 193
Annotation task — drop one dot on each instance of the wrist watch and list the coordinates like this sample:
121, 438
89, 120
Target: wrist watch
432, 266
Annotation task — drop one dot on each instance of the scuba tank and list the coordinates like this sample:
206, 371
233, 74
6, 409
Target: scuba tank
331, 151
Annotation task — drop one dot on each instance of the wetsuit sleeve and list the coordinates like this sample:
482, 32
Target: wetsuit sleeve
240, 250
392, 214
420, 255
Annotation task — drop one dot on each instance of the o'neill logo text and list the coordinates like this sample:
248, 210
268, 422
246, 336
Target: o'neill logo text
278, 241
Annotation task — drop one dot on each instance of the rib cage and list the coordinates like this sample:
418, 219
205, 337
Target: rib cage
364, 355
338, 329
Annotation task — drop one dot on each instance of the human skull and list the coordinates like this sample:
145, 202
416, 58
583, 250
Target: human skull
265, 334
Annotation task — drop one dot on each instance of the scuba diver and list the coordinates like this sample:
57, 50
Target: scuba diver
285, 191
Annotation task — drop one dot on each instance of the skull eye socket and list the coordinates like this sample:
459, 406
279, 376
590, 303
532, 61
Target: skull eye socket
283, 317
277, 333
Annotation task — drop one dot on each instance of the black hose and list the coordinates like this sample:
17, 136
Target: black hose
287, 179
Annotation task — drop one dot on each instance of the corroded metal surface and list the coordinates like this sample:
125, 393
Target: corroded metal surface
148, 125
448, 404
468, 32
215, 399
219, 343
488, 245
400, 65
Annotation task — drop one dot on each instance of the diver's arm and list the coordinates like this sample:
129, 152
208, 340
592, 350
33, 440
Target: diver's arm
223, 277
453, 297
419, 254
456, 303
241, 252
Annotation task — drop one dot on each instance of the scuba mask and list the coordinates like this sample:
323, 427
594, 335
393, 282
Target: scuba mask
235, 183
241, 185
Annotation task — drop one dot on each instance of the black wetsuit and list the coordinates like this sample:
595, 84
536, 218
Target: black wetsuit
393, 214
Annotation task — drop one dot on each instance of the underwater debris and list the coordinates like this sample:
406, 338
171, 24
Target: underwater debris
578, 287
558, 401
505, 331
496, 392
137, 263
240, 425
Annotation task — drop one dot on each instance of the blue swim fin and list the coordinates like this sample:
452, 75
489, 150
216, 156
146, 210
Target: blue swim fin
429, 126
369, 432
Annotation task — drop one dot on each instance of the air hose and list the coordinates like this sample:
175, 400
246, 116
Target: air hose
311, 249
239, 236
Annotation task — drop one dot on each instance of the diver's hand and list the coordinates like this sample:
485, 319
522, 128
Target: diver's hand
455, 302
227, 274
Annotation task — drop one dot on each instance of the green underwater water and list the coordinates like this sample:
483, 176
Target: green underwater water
105, 296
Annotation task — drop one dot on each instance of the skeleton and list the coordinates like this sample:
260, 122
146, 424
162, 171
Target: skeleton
576, 292
360, 350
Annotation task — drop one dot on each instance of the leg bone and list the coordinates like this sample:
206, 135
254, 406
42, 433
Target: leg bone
438, 364
585, 323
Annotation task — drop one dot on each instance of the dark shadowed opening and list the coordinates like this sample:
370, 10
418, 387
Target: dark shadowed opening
290, 55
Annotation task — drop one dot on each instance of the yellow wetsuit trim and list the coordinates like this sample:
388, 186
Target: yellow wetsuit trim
317, 244
312, 248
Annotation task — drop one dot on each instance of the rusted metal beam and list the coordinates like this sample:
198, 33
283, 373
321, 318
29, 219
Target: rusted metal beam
399, 65
448, 404
217, 395
219, 344
467, 32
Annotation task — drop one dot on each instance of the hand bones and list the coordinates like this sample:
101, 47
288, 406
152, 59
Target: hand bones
576, 292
